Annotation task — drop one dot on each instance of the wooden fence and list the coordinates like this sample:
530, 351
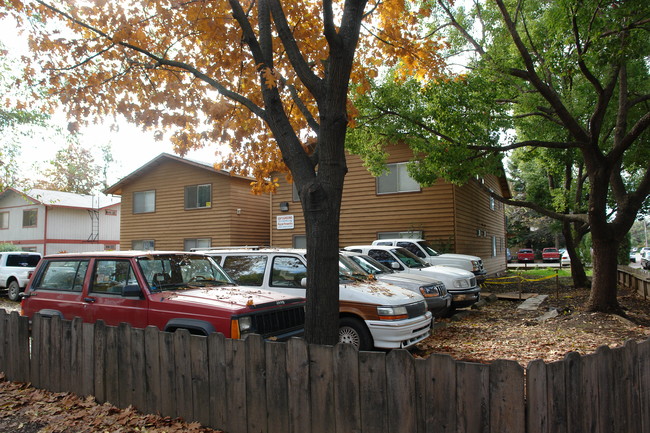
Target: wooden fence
254, 386
635, 279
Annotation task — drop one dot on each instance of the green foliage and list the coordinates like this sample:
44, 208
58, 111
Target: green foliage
624, 251
8, 247
73, 169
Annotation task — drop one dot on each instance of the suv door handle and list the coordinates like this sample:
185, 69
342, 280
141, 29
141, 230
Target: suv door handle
89, 300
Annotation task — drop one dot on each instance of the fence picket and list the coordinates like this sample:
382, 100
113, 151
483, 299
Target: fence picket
277, 390
54, 341
346, 388
440, 398
400, 389
98, 361
200, 379
167, 374
372, 394
557, 401
472, 395
507, 406
217, 377
138, 370
298, 386
76, 357
235, 419
537, 398
256, 409
88, 368
124, 367
183, 374
321, 376
643, 375
152, 373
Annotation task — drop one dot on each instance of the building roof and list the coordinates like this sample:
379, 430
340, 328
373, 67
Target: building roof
163, 157
66, 199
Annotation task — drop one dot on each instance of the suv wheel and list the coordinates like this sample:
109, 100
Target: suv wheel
13, 291
353, 331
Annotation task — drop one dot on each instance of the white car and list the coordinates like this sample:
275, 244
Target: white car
423, 250
565, 260
372, 313
16, 267
459, 282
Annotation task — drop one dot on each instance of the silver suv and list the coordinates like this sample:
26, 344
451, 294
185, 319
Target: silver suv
16, 267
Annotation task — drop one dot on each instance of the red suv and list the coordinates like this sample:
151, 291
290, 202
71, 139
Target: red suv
170, 290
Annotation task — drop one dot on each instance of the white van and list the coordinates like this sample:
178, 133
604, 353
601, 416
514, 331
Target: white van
423, 250
373, 314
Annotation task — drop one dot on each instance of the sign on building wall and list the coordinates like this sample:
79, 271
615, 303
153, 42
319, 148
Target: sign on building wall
284, 222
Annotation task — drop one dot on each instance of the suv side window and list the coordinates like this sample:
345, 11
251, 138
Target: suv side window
412, 248
21, 260
246, 270
65, 275
287, 272
111, 276
384, 257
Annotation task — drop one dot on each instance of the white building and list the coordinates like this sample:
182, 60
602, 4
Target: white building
50, 222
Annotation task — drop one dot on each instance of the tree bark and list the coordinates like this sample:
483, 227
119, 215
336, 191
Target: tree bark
602, 297
578, 274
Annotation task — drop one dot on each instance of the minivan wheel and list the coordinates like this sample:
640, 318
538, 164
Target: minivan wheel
13, 291
353, 331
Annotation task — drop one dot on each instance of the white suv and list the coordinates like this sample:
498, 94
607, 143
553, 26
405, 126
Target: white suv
460, 283
372, 314
423, 250
16, 268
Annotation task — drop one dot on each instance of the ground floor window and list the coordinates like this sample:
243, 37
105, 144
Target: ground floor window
197, 243
299, 241
144, 245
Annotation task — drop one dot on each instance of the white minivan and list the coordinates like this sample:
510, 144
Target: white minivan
373, 314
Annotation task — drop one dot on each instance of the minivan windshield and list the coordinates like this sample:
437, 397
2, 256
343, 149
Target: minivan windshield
181, 271
370, 265
348, 269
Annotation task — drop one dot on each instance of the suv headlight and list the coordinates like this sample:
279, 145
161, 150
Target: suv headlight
241, 326
476, 265
461, 284
392, 313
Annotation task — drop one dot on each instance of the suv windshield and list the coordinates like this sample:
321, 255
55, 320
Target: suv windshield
426, 247
175, 271
409, 259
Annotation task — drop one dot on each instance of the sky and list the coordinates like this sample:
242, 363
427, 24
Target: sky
131, 147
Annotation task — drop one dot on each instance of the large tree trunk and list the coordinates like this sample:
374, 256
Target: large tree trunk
578, 274
604, 284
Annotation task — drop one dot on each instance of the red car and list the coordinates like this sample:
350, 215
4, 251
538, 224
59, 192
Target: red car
169, 290
551, 255
525, 255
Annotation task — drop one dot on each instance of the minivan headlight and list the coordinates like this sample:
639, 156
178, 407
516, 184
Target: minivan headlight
392, 313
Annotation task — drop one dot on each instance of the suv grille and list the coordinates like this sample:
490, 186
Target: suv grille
270, 323
417, 309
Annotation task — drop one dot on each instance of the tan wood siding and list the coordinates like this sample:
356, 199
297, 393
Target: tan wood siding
251, 225
448, 215
171, 223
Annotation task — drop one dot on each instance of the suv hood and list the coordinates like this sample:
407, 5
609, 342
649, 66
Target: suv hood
441, 271
459, 256
234, 298
376, 292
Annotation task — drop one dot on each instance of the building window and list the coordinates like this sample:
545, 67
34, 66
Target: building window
413, 234
143, 245
494, 246
110, 212
396, 180
198, 196
492, 201
144, 201
4, 220
299, 241
197, 243
30, 217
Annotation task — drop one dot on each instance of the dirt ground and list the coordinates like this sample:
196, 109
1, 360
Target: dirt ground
497, 330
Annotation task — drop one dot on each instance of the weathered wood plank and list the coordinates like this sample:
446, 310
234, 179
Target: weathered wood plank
88, 368
124, 365
54, 343
167, 375
400, 390
472, 394
574, 387
65, 366
36, 352
643, 380
346, 388
537, 398
440, 398
18, 347
557, 401
372, 385
277, 385
236, 386
137, 356
200, 379
112, 367
606, 387
256, 408
4, 353
321, 376
298, 367
507, 405
98, 361
218, 386
76, 356
152, 373
183, 374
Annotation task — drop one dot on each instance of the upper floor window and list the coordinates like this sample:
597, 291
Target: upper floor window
396, 180
143, 245
4, 220
198, 196
144, 201
30, 217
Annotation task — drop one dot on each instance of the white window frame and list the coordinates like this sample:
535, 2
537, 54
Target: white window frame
143, 244
35, 212
398, 169
190, 243
144, 201
4, 220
